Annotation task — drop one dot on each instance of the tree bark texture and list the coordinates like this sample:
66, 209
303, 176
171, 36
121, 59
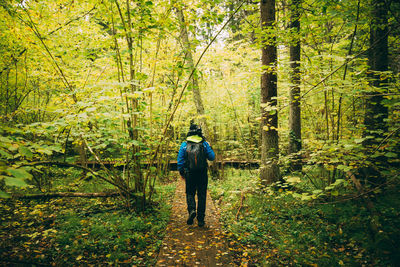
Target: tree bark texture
375, 111
294, 111
82, 154
269, 171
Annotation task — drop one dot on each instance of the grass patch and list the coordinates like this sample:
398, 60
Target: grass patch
281, 230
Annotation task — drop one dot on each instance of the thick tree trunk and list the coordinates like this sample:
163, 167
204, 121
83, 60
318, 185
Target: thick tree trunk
269, 171
195, 84
295, 112
375, 111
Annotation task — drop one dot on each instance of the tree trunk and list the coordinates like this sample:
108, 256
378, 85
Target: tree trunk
82, 154
295, 112
375, 111
195, 84
269, 171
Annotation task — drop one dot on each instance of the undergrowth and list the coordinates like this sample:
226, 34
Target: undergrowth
277, 229
77, 231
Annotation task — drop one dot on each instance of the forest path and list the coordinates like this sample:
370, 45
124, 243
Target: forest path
190, 245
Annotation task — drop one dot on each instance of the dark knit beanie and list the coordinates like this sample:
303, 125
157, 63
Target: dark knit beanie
195, 130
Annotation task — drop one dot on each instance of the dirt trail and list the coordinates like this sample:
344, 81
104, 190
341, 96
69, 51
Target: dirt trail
186, 245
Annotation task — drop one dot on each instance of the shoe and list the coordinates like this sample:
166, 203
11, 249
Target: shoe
192, 215
201, 223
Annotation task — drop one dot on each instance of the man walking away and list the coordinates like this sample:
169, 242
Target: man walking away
192, 166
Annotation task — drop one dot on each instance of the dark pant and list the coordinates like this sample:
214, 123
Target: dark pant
197, 182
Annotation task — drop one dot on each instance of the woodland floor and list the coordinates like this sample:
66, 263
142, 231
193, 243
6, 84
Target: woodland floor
186, 245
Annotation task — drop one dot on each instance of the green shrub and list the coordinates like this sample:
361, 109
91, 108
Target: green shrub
275, 228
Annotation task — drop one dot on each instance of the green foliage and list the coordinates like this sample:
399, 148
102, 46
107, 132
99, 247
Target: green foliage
16, 151
81, 231
120, 236
281, 230
82, 80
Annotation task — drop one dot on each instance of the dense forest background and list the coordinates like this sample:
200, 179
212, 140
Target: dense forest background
96, 97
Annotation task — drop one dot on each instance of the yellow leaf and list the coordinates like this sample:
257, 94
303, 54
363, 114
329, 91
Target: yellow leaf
108, 255
79, 257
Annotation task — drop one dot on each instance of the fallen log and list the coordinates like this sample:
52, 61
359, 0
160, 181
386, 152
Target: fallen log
66, 194
173, 165
65, 164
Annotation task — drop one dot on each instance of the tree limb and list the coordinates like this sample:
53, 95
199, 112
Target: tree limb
243, 196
